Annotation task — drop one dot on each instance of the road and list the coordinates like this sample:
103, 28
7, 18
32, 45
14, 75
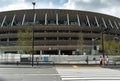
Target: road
29, 74
89, 74
59, 73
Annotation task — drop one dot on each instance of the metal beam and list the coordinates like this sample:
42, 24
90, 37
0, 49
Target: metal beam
13, 20
104, 23
3, 21
68, 19
97, 22
78, 19
110, 23
46, 19
34, 18
88, 21
23, 19
119, 25
116, 25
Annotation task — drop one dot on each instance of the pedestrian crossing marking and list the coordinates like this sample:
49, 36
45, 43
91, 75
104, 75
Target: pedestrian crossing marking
88, 74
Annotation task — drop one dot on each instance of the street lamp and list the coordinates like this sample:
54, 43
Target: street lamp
103, 44
33, 3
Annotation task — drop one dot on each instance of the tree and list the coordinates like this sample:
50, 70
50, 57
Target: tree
80, 43
24, 42
111, 46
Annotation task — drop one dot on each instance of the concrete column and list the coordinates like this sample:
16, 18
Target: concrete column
57, 19
44, 38
59, 52
8, 41
57, 38
40, 57
40, 52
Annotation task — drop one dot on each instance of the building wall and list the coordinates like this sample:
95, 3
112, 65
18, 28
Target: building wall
56, 31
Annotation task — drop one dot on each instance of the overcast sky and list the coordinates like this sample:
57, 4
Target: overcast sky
111, 7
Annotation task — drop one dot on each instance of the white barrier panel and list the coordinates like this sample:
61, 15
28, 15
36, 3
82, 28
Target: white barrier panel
13, 58
80, 59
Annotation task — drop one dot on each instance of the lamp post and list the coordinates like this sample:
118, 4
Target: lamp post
103, 52
33, 35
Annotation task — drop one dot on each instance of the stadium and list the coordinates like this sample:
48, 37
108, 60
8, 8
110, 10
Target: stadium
56, 31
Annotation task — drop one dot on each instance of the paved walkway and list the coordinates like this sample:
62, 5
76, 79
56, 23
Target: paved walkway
58, 73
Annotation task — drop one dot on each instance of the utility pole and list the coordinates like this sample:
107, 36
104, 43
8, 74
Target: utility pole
33, 3
103, 51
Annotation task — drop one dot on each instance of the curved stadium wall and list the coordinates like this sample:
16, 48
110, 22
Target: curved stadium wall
56, 31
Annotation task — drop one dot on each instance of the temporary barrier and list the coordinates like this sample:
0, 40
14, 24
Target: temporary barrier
46, 59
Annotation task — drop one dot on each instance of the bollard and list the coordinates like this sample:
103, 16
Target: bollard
37, 63
100, 62
87, 60
17, 63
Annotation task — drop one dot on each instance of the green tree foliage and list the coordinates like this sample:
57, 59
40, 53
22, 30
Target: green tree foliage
111, 46
80, 43
25, 40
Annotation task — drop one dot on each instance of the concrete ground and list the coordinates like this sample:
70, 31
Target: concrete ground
58, 73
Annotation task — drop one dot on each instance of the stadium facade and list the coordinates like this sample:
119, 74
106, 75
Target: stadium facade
56, 31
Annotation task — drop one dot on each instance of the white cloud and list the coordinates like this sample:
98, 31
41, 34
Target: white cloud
51, 5
21, 6
62, 1
48, 5
15, 5
68, 5
111, 11
87, 1
110, 7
